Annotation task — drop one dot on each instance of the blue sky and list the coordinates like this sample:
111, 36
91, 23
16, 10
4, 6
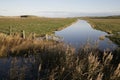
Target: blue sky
59, 7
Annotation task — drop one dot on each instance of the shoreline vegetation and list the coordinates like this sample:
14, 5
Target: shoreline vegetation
110, 25
53, 60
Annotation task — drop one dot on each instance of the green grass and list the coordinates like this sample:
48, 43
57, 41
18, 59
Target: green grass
40, 26
111, 26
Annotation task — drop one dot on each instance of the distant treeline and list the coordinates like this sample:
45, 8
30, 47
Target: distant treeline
107, 17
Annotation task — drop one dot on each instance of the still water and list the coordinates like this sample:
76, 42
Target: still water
81, 32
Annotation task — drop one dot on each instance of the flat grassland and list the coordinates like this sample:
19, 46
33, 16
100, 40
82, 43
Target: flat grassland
40, 26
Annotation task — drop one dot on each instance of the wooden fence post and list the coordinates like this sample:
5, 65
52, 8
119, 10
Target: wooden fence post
33, 36
23, 34
46, 37
10, 30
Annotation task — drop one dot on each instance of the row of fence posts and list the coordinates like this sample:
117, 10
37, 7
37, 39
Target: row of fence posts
23, 32
33, 34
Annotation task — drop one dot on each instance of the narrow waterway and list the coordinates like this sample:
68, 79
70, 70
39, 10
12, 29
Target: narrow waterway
81, 32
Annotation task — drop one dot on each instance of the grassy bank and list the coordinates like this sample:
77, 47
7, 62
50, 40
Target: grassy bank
52, 60
40, 26
107, 25
111, 25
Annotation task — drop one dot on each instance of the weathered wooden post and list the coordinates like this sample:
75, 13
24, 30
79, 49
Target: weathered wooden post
10, 30
23, 34
46, 36
33, 35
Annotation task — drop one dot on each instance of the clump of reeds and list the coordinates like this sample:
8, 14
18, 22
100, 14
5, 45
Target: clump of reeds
15, 45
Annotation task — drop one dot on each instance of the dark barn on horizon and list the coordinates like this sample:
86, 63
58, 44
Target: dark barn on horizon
24, 16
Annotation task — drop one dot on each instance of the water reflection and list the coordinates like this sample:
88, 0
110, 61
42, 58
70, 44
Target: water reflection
79, 33
15, 68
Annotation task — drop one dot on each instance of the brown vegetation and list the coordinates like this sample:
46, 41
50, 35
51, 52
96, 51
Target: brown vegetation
57, 61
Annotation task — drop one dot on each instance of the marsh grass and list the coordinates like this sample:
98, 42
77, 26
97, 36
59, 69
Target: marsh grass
40, 26
107, 25
51, 60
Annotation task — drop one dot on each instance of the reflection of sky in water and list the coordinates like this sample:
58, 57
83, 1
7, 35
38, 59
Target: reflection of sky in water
81, 32
12, 65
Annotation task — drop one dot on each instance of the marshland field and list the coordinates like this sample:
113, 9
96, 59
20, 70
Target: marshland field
41, 58
33, 24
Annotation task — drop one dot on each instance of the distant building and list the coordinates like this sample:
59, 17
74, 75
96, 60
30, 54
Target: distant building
24, 16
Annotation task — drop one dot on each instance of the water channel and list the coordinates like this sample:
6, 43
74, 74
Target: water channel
82, 32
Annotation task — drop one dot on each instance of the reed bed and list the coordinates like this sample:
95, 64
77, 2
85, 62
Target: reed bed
51, 60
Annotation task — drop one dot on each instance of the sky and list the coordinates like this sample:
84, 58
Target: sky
59, 8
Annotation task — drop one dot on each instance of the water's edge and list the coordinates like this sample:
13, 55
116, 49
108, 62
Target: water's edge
80, 32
